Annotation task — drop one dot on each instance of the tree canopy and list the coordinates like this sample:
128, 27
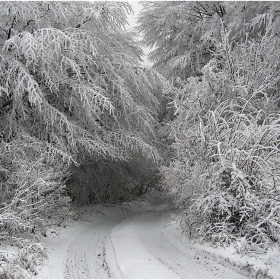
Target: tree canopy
72, 90
74, 79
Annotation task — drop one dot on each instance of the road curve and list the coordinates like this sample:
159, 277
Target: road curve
138, 243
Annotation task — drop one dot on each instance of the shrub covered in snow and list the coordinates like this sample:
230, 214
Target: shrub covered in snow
232, 189
32, 195
226, 170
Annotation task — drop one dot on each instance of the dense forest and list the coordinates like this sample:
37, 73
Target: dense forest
83, 121
222, 60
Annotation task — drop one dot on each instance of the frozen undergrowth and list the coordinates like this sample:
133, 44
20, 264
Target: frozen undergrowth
252, 264
18, 262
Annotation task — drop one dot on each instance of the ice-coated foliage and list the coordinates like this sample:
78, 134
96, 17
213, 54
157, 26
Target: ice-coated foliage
224, 173
83, 83
180, 34
71, 89
227, 177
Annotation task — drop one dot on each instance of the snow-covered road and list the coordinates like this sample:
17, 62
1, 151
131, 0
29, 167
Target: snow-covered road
134, 240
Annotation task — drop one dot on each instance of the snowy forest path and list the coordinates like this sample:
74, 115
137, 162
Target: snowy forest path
133, 240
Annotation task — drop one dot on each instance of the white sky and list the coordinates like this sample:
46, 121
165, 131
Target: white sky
136, 6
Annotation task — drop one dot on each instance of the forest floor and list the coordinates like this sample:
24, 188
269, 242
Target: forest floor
142, 239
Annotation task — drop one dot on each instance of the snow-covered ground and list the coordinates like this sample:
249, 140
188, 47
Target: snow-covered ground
141, 239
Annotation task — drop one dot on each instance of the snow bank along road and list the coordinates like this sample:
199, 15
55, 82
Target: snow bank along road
133, 240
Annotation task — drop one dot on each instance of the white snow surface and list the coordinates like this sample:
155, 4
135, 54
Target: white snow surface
142, 239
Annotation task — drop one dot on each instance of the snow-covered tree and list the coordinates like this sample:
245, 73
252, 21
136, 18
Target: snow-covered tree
78, 87
224, 173
180, 33
72, 89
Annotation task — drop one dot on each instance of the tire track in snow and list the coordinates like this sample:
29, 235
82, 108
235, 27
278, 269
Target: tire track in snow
181, 259
86, 254
187, 263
